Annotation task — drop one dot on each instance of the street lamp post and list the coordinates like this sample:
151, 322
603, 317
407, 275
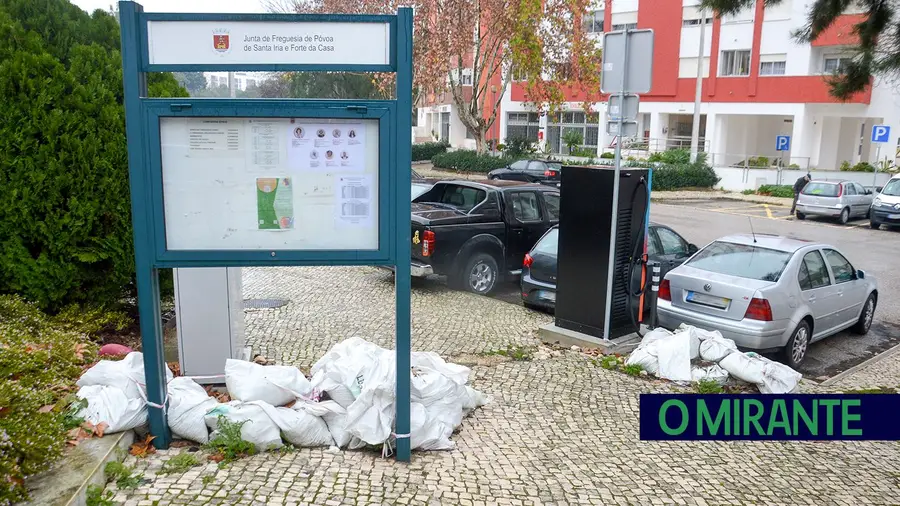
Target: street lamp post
698, 92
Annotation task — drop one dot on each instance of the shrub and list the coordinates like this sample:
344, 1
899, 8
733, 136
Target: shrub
673, 177
572, 139
773, 190
610, 156
761, 161
845, 166
426, 150
672, 156
464, 160
583, 152
37, 362
518, 147
859, 167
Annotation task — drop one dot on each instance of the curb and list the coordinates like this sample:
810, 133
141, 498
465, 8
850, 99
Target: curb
862, 365
663, 199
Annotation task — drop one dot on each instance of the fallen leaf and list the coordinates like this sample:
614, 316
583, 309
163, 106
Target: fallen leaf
46, 409
291, 404
181, 443
143, 448
80, 348
175, 367
100, 428
216, 457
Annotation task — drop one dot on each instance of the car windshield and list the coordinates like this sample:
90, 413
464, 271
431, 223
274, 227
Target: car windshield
741, 260
548, 244
892, 188
554, 165
822, 189
416, 175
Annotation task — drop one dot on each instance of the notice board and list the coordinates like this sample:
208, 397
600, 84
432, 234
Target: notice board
238, 183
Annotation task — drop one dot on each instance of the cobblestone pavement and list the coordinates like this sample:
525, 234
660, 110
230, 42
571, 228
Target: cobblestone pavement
559, 430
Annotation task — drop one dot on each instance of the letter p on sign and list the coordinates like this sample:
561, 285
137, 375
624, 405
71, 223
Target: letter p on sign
880, 133
782, 143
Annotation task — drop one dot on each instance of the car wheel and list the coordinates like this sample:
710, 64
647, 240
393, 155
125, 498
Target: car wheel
480, 274
844, 217
796, 348
865, 317
801, 216
874, 224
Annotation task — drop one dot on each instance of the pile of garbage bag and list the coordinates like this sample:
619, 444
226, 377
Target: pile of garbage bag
348, 402
670, 355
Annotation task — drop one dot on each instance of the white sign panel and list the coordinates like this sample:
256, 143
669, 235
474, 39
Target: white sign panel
261, 42
270, 183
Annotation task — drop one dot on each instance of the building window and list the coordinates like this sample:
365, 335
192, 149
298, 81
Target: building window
523, 125
735, 63
469, 134
593, 22
445, 127
836, 64
772, 68
466, 78
624, 26
696, 22
518, 74
588, 125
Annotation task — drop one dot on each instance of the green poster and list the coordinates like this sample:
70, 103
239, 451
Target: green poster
274, 203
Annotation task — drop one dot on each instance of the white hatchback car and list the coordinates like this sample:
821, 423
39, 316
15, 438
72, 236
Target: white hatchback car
836, 199
769, 293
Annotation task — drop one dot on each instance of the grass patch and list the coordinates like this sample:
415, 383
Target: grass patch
179, 463
208, 479
124, 476
98, 496
706, 386
515, 352
609, 362
875, 390
632, 369
227, 446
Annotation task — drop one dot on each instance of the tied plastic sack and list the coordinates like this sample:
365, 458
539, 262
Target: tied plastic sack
459, 374
674, 354
113, 406
429, 432
645, 355
710, 373
258, 428
334, 415
778, 378
126, 374
299, 427
744, 367
188, 405
274, 384
345, 364
715, 348
371, 417
331, 382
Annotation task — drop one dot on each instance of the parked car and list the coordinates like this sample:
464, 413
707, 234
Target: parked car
539, 268
477, 233
769, 293
530, 171
886, 205
836, 199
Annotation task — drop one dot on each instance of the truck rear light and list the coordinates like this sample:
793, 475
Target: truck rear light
759, 309
528, 260
665, 290
427, 243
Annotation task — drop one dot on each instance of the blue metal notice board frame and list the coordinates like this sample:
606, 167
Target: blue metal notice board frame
144, 161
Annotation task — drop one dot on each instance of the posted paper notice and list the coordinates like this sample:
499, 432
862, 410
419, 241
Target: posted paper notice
354, 203
274, 203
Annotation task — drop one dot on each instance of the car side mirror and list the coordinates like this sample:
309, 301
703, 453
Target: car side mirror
692, 248
868, 192
860, 274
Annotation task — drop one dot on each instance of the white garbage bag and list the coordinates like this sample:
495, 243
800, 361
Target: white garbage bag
655, 335
674, 354
474, 399
459, 374
371, 416
126, 374
427, 431
646, 354
333, 414
710, 373
258, 428
331, 382
715, 348
428, 386
778, 378
345, 363
188, 405
299, 427
113, 406
744, 367
274, 384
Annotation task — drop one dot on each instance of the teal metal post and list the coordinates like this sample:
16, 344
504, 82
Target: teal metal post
403, 252
135, 87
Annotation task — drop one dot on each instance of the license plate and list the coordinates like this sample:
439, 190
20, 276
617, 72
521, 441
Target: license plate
894, 216
548, 296
708, 300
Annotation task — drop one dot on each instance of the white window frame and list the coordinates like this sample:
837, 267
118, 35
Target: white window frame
839, 58
696, 21
732, 68
769, 67
591, 19
623, 26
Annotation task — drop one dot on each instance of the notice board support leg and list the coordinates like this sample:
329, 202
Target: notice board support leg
154, 356
402, 283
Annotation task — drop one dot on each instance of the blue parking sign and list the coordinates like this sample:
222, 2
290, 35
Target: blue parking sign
783, 143
880, 133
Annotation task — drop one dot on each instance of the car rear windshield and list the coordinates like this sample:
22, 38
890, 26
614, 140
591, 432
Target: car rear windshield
822, 189
554, 165
549, 244
741, 260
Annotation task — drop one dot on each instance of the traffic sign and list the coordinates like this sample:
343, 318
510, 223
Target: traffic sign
636, 52
627, 108
880, 133
629, 128
783, 143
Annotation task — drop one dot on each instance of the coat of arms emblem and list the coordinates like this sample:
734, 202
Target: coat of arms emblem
221, 42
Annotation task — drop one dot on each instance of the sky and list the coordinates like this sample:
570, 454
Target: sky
229, 6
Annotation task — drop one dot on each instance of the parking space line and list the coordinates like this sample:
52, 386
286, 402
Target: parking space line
768, 211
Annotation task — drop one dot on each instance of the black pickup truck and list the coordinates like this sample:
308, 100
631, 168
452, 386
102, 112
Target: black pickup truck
477, 233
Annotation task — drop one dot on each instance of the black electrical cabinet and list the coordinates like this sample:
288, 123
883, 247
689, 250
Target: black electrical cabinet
586, 205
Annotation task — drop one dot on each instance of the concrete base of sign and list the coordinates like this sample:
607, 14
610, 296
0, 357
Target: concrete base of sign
551, 334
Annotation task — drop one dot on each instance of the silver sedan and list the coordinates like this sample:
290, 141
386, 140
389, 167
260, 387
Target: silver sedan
769, 293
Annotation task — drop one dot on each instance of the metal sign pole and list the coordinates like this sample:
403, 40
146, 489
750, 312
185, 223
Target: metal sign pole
617, 162
877, 161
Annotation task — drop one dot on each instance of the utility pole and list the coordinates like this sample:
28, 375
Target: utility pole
698, 92
231, 90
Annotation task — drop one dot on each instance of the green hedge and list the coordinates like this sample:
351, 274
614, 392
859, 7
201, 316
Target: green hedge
859, 167
427, 150
674, 177
775, 190
464, 160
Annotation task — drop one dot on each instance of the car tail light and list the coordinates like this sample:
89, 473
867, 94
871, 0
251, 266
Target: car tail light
665, 290
528, 260
549, 173
759, 309
840, 190
427, 243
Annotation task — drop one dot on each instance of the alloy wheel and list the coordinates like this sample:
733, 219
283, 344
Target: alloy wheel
801, 341
481, 277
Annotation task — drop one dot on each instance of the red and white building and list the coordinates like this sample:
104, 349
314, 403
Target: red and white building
758, 83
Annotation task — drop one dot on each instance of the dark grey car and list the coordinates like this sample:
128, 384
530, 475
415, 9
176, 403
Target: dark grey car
539, 269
